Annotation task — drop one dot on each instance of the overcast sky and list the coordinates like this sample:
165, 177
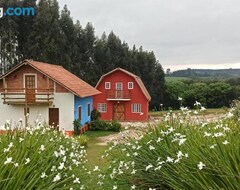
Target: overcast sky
182, 33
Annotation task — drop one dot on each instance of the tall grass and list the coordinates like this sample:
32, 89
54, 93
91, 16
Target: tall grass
178, 155
40, 158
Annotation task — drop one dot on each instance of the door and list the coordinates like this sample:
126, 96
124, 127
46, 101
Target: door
119, 112
54, 117
119, 90
30, 88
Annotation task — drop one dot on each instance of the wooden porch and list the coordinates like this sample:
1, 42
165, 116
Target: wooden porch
119, 95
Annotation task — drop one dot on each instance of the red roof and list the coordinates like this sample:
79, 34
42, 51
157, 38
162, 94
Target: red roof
61, 76
137, 79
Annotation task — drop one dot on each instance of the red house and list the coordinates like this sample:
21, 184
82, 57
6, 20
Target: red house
123, 98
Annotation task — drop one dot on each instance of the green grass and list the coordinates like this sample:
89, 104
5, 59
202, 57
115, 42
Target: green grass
170, 79
95, 151
94, 154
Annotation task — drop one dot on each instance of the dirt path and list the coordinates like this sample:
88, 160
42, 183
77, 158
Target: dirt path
136, 129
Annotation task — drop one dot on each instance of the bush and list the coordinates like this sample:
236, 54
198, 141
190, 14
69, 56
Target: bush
39, 158
82, 140
99, 125
115, 126
203, 156
77, 126
95, 114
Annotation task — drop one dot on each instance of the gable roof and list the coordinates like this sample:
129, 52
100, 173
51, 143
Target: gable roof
137, 79
61, 76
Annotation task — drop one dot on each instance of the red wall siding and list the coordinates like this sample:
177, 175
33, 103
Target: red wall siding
136, 97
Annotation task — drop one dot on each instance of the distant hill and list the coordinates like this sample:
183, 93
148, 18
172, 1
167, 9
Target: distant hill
216, 73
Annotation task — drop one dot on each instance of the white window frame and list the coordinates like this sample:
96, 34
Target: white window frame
130, 85
119, 83
107, 85
102, 107
136, 108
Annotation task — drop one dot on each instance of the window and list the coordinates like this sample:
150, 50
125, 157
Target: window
89, 109
80, 113
130, 85
136, 108
119, 86
102, 107
107, 85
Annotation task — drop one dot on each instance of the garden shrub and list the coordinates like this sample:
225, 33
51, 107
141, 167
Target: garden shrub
77, 126
115, 126
100, 125
95, 114
82, 140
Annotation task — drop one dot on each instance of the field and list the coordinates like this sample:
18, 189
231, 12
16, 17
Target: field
170, 79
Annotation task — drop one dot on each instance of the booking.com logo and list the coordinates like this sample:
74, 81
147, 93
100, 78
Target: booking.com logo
17, 11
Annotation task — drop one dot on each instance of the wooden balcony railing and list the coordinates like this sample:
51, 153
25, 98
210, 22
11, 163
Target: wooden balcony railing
119, 95
30, 96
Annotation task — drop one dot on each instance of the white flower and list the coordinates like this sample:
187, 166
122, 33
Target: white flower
43, 175
206, 134
76, 180
115, 187
203, 108
100, 183
42, 148
21, 139
195, 112
16, 165
201, 165
6, 149
181, 141
169, 159
179, 99
10, 145
159, 139
133, 187
57, 177
133, 172
197, 103
61, 166
180, 154
96, 168
225, 142
9, 160
149, 166
27, 160
158, 168
213, 146
151, 147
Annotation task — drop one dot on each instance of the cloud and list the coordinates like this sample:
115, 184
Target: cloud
179, 32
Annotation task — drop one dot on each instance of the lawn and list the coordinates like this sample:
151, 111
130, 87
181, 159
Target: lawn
94, 154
